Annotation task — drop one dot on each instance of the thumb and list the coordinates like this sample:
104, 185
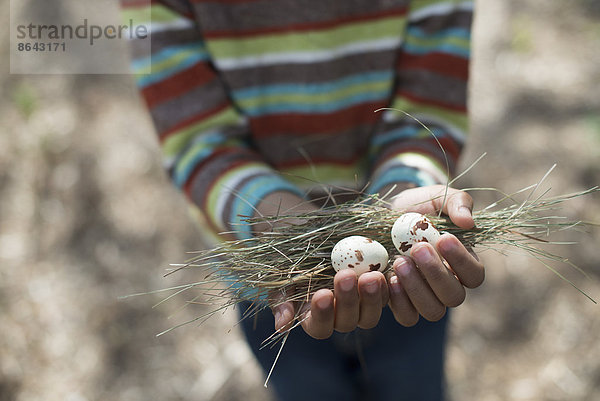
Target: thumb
283, 310
459, 208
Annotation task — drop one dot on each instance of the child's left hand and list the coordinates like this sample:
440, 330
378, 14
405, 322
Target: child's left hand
426, 284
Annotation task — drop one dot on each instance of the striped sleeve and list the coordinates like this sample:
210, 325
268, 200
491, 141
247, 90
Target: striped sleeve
204, 138
431, 88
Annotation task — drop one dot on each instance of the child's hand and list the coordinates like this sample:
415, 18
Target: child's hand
410, 292
357, 303
424, 284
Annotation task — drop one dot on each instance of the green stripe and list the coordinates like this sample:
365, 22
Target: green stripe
173, 61
456, 118
308, 41
191, 154
317, 98
177, 141
307, 176
432, 43
142, 72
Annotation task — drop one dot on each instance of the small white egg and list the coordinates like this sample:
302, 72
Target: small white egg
411, 228
359, 253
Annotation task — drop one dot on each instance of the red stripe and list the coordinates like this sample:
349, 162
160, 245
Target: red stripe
299, 124
440, 63
187, 187
229, 168
450, 146
308, 26
177, 85
431, 102
198, 117
203, 201
217, 154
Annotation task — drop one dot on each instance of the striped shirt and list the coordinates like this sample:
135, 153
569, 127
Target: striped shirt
254, 96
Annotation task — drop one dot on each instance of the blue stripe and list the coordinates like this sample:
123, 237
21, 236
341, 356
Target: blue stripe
149, 79
316, 89
203, 147
444, 47
400, 174
418, 32
250, 195
166, 53
408, 132
394, 135
182, 173
312, 89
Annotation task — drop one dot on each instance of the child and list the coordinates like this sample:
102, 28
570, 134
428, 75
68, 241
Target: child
261, 105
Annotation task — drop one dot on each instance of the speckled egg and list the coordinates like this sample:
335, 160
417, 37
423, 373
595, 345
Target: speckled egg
411, 228
359, 253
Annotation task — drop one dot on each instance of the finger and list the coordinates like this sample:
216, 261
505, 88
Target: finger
385, 291
458, 207
346, 300
403, 310
283, 310
371, 296
418, 291
466, 266
457, 204
428, 200
319, 319
442, 281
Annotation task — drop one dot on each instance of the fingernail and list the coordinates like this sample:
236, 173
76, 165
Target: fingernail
447, 245
347, 284
395, 285
402, 267
464, 210
277, 317
323, 303
372, 287
423, 254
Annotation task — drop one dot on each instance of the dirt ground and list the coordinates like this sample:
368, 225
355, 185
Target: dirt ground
87, 215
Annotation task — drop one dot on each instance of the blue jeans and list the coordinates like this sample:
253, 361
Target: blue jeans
388, 362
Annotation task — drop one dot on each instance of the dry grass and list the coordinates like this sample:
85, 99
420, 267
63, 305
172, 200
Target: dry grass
293, 257
86, 215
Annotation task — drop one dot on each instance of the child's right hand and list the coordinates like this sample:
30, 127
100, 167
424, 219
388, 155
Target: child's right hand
357, 302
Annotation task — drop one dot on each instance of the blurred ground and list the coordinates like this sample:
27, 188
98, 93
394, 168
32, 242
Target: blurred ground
86, 215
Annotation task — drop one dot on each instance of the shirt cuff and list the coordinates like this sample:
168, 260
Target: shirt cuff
248, 197
414, 168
